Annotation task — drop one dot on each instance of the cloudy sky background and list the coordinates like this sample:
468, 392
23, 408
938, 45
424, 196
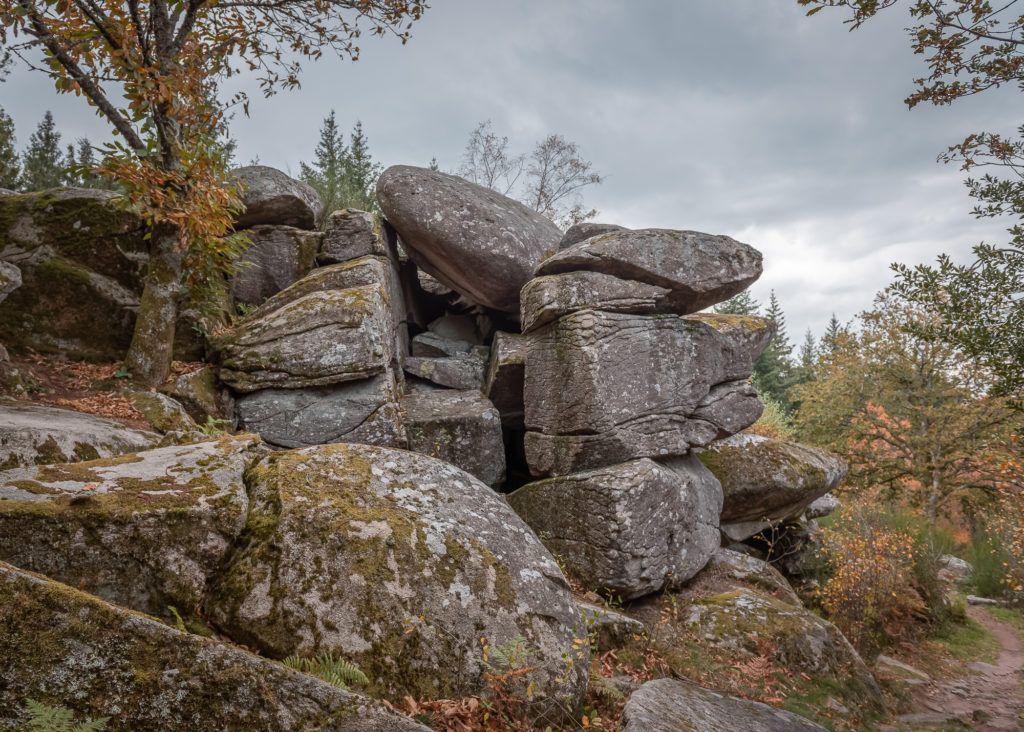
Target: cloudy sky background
738, 117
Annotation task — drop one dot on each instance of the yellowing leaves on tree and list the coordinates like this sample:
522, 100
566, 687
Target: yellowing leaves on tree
168, 59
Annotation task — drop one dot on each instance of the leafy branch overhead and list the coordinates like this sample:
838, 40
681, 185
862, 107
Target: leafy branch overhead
153, 69
970, 46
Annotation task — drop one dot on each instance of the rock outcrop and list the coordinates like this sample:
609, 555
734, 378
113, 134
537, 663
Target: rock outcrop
766, 480
460, 427
478, 242
276, 257
64, 648
699, 270
668, 704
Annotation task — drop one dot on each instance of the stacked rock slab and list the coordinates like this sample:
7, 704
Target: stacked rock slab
316, 363
621, 382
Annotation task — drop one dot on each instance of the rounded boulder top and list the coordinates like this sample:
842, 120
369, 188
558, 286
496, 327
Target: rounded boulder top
698, 269
273, 197
480, 243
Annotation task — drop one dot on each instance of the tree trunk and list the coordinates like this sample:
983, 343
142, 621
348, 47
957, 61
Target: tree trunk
149, 355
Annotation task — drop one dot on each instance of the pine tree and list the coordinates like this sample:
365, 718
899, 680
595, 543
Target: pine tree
433, 165
79, 164
833, 330
10, 166
42, 163
362, 172
742, 304
327, 172
773, 370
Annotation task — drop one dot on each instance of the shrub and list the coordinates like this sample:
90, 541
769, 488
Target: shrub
882, 582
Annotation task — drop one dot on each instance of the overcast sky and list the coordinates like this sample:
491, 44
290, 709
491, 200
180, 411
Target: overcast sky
738, 117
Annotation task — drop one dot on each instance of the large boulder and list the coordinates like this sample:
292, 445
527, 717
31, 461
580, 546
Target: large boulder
146, 530
201, 393
460, 427
325, 337
478, 242
276, 257
698, 269
628, 530
272, 197
364, 411
34, 435
766, 480
66, 649
669, 704
800, 641
403, 564
548, 298
82, 258
603, 388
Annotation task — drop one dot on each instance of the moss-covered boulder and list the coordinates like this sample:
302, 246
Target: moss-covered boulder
767, 480
604, 388
164, 414
201, 394
404, 564
669, 704
66, 649
628, 530
752, 623
31, 435
325, 337
82, 258
146, 530
742, 571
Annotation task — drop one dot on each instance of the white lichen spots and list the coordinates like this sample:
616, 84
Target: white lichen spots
357, 579
461, 592
527, 574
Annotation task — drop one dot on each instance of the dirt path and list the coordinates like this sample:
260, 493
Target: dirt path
991, 697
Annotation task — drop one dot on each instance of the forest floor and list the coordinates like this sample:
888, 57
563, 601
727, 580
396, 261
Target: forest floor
989, 697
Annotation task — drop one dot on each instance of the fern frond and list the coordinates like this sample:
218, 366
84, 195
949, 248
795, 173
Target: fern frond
336, 671
44, 718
